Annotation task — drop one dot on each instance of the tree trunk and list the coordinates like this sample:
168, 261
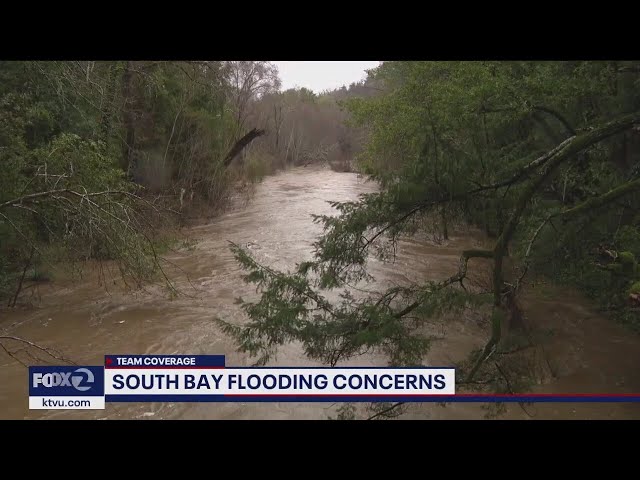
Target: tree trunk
551, 161
127, 117
24, 274
277, 120
108, 104
286, 156
445, 230
485, 218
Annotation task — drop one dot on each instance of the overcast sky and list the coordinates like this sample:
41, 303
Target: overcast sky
319, 76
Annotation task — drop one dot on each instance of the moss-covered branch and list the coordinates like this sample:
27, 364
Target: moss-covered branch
570, 148
560, 154
595, 203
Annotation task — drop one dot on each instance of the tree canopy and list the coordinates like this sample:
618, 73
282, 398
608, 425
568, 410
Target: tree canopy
543, 156
99, 157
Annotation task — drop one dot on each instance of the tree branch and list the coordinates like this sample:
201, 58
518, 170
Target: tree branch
506, 379
458, 277
523, 172
558, 117
241, 144
557, 156
49, 351
596, 202
386, 410
585, 207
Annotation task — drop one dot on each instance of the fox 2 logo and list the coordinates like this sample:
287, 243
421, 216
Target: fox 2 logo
65, 380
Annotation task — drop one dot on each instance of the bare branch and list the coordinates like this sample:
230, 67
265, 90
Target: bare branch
49, 351
506, 379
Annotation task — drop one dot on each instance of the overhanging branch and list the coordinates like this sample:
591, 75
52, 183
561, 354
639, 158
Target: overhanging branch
241, 144
458, 277
554, 159
585, 207
596, 202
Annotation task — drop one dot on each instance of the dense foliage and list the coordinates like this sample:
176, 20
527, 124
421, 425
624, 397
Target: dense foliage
96, 156
543, 156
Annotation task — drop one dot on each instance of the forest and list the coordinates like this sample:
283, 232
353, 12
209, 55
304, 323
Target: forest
542, 157
97, 156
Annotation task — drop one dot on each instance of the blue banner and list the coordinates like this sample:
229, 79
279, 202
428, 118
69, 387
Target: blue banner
164, 361
458, 398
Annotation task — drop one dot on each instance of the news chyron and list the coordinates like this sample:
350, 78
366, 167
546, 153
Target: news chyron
206, 378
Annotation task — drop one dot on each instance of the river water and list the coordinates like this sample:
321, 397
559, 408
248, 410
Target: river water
586, 352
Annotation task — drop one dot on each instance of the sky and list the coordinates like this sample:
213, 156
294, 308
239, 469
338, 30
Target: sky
319, 76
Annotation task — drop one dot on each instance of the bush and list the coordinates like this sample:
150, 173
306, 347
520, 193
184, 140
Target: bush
256, 167
341, 166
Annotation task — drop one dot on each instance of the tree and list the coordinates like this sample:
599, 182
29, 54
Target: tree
525, 149
85, 145
249, 81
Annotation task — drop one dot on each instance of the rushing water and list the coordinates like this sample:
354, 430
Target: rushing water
587, 353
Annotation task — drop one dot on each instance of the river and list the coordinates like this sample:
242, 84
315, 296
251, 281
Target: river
586, 352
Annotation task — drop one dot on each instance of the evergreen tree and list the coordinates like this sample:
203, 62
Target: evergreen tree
544, 156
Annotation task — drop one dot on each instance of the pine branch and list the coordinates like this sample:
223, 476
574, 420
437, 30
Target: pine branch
386, 411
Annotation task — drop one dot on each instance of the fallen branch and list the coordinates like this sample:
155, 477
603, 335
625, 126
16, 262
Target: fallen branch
18, 202
241, 144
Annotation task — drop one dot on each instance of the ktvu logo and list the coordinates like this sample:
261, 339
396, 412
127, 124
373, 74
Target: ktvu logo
65, 379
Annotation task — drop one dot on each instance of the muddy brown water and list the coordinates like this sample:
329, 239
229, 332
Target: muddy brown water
587, 353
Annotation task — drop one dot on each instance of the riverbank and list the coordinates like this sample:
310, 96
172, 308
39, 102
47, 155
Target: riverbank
85, 320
